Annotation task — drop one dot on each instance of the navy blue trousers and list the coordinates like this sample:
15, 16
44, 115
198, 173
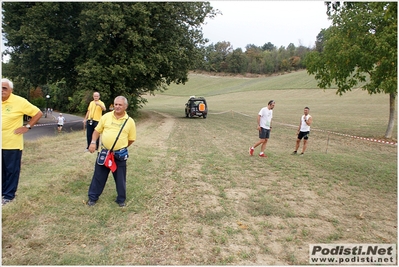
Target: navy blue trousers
100, 178
11, 168
89, 133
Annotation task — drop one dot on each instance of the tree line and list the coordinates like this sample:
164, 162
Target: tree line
265, 59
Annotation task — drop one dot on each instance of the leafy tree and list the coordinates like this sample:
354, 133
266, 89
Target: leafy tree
236, 61
295, 62
359, 47
216, 56
254, 55
283, 56
42, 39
209, 55
291, 49
302, 53
268, 46
222, 50
116, 48
320, 41
269, 61
252, 47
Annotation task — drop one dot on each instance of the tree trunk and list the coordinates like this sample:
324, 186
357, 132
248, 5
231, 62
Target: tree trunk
388, 133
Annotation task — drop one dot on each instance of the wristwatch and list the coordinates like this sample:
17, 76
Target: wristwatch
28, 126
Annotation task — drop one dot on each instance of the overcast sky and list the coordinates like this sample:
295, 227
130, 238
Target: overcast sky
260, 22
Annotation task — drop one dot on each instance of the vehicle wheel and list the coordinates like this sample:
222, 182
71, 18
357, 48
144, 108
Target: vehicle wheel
204, 116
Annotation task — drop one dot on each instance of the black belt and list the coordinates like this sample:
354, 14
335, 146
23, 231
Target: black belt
103, 147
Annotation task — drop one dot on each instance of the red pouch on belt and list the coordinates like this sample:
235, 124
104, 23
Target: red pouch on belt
110, 162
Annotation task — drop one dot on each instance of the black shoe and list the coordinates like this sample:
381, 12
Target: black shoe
294, 153
123, 204
91, 202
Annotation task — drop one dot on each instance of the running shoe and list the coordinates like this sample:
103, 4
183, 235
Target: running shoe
251, 151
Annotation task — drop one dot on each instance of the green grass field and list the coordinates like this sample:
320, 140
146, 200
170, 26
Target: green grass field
195, 196
355, 112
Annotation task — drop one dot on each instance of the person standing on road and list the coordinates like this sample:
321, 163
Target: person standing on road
264, 127
303, 131
13, 109
60, 122
109, 127
93, 115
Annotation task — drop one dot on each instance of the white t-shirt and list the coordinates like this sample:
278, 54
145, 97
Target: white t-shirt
304, 126
266, 116
60, 120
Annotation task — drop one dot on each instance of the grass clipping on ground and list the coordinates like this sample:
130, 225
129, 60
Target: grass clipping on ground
195, 197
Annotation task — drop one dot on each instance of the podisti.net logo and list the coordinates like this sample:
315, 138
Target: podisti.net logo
350, 254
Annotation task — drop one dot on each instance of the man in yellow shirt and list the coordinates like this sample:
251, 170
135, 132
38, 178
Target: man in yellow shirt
13, 109
93, 115
109, 127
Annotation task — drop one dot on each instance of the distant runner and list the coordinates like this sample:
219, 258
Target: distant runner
303, 131
60, 122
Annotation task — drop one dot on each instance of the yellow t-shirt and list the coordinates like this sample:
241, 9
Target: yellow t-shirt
12, 117
95, 112
109, 127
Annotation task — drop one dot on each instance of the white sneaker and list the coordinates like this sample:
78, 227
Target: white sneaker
5, 201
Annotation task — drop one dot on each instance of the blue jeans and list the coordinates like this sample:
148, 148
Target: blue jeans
89, 133
11, 168
100, 178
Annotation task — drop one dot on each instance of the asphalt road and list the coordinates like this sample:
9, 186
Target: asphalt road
48, 126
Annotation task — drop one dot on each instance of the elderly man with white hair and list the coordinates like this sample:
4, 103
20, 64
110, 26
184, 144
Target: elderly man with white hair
13, 109
118, 132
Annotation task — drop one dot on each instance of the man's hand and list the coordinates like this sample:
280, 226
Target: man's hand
21, 130
92, 148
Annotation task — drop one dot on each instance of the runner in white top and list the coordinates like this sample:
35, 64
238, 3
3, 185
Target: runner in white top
303, 131
60, 122
266, 116
264, 127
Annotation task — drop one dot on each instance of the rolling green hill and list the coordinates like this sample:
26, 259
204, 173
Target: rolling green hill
208, 85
